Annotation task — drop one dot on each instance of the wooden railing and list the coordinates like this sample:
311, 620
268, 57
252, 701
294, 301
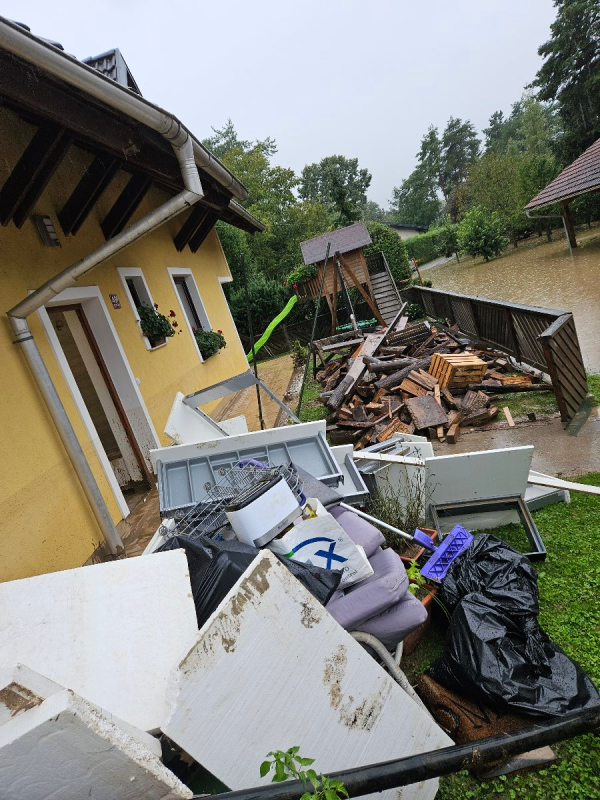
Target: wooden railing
541, 337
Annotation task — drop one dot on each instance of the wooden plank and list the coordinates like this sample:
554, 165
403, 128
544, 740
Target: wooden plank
125, 205
368, 348
87, 192
425, 412
411, 388
540, 479
509, 417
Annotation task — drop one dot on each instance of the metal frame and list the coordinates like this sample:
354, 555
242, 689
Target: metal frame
230, 386
511, 502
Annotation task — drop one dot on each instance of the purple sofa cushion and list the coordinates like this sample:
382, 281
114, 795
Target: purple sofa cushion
395, 623
359, 530
373, 595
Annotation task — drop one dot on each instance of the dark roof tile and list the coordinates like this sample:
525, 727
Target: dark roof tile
342, 241
582, 176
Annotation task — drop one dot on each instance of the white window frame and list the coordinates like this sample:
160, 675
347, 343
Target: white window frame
136, 272
177, 272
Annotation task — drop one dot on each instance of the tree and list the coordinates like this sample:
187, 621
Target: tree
570, 74
460, 148
387, 241
494, 134
272, 199
495, 184
481, 233
373, 211
416, 199
339, 184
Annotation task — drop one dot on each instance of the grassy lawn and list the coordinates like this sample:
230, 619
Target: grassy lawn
311, 408
569, 584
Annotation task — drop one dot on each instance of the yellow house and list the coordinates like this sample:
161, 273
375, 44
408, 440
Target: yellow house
108, 205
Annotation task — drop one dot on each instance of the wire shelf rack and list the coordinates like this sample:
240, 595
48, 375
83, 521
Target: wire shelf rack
208, 517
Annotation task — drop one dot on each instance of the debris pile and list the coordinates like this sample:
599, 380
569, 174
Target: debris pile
413, 378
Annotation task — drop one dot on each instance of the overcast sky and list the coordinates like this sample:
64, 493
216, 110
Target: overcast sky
322, 77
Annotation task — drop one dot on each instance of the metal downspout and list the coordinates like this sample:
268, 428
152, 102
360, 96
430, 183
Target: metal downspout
17, 316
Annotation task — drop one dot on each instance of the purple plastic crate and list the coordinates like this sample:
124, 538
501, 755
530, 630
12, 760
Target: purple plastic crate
456, 542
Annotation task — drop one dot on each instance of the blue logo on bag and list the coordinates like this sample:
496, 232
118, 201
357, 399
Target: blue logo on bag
329, 555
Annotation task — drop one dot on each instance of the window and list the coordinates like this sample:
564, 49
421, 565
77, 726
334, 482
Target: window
190, 301
185, 298
137, 293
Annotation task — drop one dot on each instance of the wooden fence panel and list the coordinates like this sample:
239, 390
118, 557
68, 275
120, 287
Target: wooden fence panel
541, 337
565, 365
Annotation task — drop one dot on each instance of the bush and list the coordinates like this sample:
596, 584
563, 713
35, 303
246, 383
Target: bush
481, 233
414, 311
267, 299
301, 274
209, 342
299, 354
425, 247
154, 325
387, 241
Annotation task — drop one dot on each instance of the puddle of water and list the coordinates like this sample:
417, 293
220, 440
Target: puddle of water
539, 274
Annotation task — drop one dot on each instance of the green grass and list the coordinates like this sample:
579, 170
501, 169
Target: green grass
522, 403
569, 584
311, 408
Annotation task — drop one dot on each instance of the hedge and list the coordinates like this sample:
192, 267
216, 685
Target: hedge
426, 246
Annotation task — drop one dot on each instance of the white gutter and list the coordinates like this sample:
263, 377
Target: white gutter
80, 76
71, 71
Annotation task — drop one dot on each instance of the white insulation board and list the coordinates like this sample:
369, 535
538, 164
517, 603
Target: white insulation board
111, 632
54, 744
271, 670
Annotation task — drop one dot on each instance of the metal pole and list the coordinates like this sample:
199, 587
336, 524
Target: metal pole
424, 766
251, 331
314, 328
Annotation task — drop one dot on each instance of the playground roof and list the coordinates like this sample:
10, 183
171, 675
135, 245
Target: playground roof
582, 176
342, 241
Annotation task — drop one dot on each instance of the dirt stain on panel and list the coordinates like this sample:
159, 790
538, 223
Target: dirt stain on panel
17, 698
335, 667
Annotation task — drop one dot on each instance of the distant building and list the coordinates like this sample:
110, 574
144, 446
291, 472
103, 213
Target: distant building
406, 230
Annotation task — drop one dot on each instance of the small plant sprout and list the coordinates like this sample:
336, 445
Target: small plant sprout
288, 764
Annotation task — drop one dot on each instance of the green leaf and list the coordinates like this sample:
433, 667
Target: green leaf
305, 762
264, 768
293, 750
280, 773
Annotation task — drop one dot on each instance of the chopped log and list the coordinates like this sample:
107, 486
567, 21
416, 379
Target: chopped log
494, 375
377, 365
367, 348
351, 423
359, 414
500, 389
481, 416
337, 396
453, 433
425, 412
424, 345
455, 417
345, 413
449, 398
394, 427
331, 382
397, 377
392, 351
411, 388
379, 395
509, 417
372, 406
515, 380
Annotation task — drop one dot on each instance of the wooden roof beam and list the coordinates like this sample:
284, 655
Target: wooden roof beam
203, 230
83, 198
125, 205
32, 172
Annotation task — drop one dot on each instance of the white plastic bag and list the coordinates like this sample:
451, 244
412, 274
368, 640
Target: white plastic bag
321, 541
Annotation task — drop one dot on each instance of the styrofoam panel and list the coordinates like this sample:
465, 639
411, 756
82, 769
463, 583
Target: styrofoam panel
111, 632
242, 441
464, 477
272, 669
54, 743
235, 425
185, 425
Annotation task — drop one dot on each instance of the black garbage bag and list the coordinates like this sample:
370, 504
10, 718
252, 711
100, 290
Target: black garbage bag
495, 649
215, 566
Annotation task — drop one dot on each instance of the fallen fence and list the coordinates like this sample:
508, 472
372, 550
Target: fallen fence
540, 337
421, 767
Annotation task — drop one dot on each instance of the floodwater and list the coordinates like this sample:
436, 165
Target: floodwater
539, 274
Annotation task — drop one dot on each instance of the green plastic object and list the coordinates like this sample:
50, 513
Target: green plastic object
363, 323
272, 325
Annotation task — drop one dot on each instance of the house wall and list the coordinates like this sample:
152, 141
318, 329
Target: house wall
46, 523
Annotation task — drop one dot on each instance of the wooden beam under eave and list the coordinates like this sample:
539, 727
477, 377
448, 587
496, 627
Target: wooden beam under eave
568, 223
125, 205
32, 173
189, 227
87, 192
202, 231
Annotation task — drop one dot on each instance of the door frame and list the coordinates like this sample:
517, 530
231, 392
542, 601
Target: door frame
109, 346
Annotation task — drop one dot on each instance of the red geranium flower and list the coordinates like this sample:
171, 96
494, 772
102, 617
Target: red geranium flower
220, 332
172, 313
295, 286
175, 324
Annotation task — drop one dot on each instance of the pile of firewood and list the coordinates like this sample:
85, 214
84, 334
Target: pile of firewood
382, 386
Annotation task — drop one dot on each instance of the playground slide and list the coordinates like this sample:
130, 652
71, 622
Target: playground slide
272, 325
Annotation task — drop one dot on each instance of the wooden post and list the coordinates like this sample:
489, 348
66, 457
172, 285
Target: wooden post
568, 223
364, 295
